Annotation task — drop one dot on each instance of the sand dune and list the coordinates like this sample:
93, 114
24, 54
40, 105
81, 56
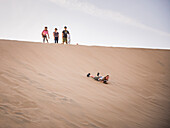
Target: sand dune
45, 86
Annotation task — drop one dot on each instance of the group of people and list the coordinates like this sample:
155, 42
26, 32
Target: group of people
65, 35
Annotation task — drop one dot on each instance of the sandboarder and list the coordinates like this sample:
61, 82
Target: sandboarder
103, 79
44, 35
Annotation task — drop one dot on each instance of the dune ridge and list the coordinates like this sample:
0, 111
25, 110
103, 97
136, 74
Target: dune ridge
45, 86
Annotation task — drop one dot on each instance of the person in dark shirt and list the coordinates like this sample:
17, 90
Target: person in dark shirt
56, 36
64, 34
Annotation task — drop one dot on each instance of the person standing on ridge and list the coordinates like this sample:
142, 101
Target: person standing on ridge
45, 34
56, 36
64, 34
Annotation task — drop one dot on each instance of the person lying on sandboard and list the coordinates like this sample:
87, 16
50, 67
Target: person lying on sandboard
103, 79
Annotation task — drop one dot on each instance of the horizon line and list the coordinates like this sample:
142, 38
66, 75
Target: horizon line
93, 45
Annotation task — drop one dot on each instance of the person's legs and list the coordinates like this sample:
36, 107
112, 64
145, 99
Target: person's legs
96, 78
64, 40
57, 39
44, 39
54, 40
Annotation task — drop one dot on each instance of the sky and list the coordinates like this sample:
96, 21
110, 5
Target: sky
117, 23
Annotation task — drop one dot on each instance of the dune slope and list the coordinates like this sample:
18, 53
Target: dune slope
45, 86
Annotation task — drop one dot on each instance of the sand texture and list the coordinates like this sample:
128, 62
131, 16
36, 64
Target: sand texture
45, 86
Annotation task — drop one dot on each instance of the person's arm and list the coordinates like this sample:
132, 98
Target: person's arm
58, 36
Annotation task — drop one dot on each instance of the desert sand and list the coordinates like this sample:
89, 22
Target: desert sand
45, 86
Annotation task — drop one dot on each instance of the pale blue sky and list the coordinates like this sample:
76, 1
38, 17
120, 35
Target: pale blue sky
123, 23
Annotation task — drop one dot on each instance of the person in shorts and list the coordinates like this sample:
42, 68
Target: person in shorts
56, 36
64, 35
45, 34
103, 79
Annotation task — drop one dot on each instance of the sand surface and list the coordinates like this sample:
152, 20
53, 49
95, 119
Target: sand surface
45, 86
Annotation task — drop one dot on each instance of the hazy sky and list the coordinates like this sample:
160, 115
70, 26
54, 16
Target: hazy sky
126, 23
